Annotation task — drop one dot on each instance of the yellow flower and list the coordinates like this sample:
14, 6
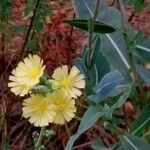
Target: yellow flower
69, 83
39, 110
64, 106
26, 75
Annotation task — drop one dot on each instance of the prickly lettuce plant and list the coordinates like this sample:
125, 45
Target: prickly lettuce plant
114, 66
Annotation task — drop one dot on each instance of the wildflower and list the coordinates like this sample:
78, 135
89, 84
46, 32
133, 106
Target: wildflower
39, 110
64, 106
26, 75
69, 83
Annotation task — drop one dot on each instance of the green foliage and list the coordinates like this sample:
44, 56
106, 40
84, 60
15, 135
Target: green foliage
99, 27
142, 122
114, 62
144, 74
106, 86
44, 86
90, 117
137, 5
130, 142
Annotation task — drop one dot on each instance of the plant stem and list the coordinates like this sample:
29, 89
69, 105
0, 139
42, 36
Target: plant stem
91, 30
30, 27
126, 118
38, 143
125, 27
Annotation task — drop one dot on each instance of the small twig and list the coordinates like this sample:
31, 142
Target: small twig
131, 17
67, 129
126, 118
30, 28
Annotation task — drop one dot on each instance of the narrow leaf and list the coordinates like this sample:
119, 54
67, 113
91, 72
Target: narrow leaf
142, 122
89, 118
144, 74
99, 27
130, 142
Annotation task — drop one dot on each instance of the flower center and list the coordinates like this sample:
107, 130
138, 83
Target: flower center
60, 104
41, 106
34, 73
66, 83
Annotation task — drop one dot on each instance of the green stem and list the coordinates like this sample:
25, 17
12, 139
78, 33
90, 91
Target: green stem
38, 143
91, 30
125, 27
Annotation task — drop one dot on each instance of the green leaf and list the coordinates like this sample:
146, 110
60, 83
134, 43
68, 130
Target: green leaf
98, 145
122, 98
41, 89
142, 122
108, 83
116, 53
102, 65
79, 63
113, 45
96, 46
89, 118
20, 29
99, 27
130, 142
109, 15
32, 45
138, 5
142, 47
144, 73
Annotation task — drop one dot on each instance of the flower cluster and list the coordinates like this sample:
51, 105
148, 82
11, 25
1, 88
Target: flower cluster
55, 107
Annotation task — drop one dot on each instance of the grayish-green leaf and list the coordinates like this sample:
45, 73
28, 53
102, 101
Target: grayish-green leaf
108, 83
144, 74
108, 15
123, 97
142, 122
89, 118
130, 142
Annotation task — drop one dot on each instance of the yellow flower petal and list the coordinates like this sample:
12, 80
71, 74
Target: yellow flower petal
26, 75
64, 106
39, 110
67, 82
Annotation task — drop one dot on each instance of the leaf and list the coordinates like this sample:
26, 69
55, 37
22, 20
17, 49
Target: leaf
111, 16
130, 142
89, 118
116, 53
142, 122
98, 145
96, 48
93, 75
102, 65
118, 90
138, 5
113, 45
32, 45
122, 98
106, 86
142, 47
144, 74
99, 27
79, 63
20, 29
